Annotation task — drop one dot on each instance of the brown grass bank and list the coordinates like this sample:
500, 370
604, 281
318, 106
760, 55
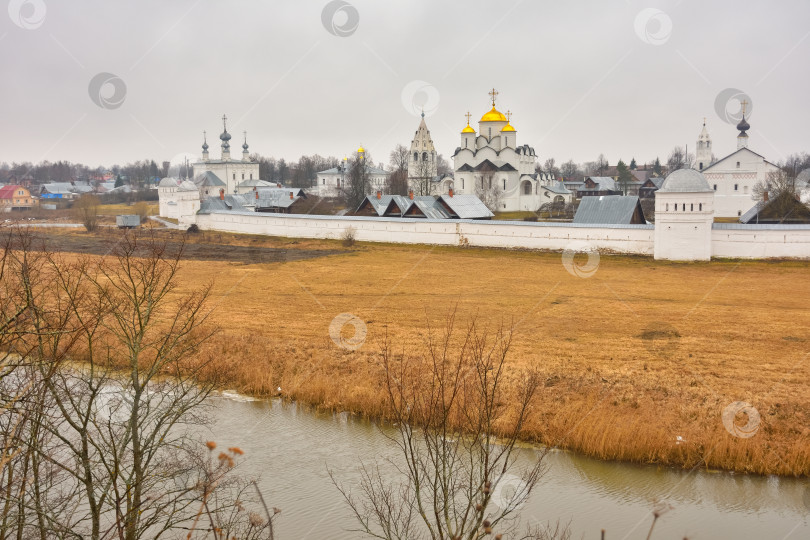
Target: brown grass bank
640, 360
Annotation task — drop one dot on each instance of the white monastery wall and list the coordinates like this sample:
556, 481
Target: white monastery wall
735, 240
633, 239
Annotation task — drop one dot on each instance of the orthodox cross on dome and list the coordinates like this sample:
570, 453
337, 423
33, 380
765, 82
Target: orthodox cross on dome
224, 123
493, 94
744, 104
508, 116
704, 120
468, 115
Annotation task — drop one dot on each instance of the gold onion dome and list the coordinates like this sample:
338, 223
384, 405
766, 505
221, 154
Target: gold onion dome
468, 129
493, 116
508, 127
361, 150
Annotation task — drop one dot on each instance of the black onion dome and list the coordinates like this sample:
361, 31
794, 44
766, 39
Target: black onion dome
743, 125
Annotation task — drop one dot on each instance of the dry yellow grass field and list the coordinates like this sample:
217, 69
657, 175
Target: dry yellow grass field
639, 361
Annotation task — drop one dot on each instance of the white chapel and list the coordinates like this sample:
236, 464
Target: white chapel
227, 173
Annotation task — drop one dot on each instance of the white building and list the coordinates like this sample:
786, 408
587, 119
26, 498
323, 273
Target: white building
733, 177
230, 171
178, 200
331, 182
490, 164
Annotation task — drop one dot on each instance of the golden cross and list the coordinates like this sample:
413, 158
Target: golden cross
493, 94
744, 103
468, 117
508, 116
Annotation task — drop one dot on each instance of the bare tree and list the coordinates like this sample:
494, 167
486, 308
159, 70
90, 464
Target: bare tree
93, 448
398, 180
449, 404
86, 211
489, 192
357, 185
679, 159
569, 169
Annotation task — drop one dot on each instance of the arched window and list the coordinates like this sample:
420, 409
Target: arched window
462, 183
700, 207
692, 207
667, 207
416, 156
504, 184
527, 188
424, 156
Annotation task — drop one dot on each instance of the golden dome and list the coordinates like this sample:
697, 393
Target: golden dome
361, 150
493, 116
468, 129
508, 127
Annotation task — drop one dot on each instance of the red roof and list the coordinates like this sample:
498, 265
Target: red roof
7, 192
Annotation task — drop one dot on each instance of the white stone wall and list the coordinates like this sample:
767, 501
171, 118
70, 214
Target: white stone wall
505, 234
760, 241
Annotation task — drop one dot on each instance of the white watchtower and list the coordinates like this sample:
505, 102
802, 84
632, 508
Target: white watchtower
684, 213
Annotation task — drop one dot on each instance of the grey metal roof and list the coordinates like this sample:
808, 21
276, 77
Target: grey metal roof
209, 179
606, 209
467, 206
58, 187
275, 198
603, 183
231, 203
431, 207
557, 187
255, 183
752, 212
685, 181
166, 182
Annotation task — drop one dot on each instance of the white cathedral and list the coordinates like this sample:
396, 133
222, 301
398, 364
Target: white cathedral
491, 165
733, 177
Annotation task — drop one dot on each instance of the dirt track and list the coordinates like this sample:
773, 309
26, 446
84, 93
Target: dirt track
207, 247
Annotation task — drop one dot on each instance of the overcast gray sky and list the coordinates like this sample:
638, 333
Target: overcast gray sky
625, 78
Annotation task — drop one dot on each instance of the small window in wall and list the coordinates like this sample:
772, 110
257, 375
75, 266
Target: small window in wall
323, 181
738, 164
715, 187
234, 176
462, 183
251, 176
667, 207
504, 184
465, 142
700, 207
736, 187
692, 207
739, 212
243, 176
701, 165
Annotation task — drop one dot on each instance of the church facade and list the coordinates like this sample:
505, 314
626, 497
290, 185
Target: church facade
489, 163
231, 172
733, 177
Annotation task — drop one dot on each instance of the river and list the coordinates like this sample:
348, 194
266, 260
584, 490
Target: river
292, 447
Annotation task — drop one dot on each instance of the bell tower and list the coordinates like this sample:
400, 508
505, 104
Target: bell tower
703, 155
